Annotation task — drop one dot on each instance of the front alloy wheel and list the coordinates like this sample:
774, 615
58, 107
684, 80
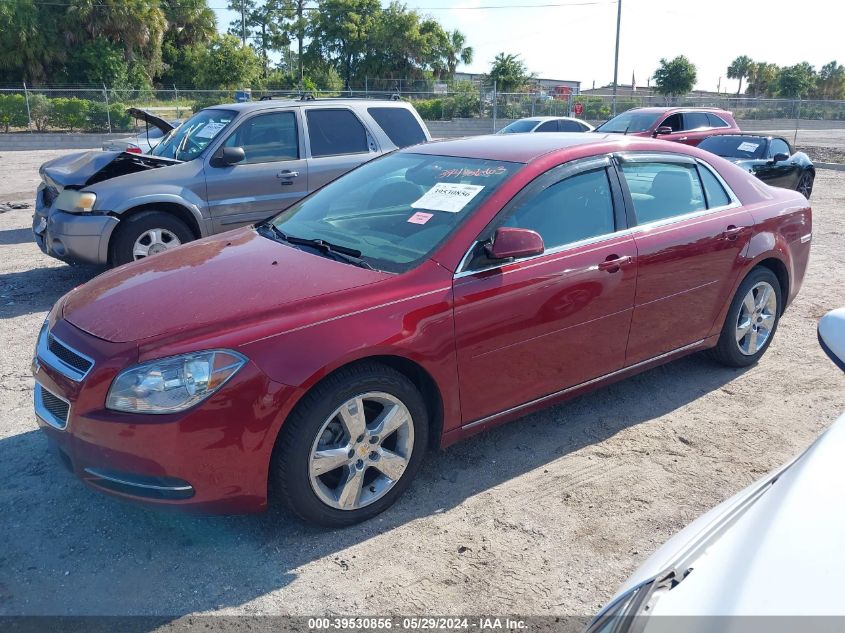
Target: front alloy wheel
351, 446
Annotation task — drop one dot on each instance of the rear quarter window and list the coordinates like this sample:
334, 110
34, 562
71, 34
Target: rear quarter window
717, 121
399, 124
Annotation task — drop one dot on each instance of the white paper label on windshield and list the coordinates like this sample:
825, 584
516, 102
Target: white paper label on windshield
447, 196
210, 130
745, 146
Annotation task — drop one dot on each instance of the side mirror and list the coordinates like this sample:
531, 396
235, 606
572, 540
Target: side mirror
512, 242
226, 156
663, 129
832, 336
780, 157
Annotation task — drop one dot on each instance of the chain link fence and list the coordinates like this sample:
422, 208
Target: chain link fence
103, 109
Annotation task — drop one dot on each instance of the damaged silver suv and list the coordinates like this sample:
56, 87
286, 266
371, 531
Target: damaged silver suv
225, 167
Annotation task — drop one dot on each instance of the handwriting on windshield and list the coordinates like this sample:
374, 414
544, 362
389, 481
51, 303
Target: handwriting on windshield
481, 172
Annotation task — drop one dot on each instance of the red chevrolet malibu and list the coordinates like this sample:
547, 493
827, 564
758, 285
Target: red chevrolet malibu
423, 297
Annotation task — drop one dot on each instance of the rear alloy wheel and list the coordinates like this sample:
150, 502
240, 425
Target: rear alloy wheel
351, 447
805, 184
146, 234
751, 321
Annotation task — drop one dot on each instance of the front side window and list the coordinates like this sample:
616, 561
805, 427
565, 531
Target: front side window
334, 132
395, 210
627, 122
188, 141
778, 146
674, 121
519, 127
267, 138
574, 209
663, 190
399, 124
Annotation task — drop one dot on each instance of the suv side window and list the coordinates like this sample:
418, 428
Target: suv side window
663, 190
399, 124
674, 121
695, 120
573, 209
267, 138
548, 126
778, 146
334, 132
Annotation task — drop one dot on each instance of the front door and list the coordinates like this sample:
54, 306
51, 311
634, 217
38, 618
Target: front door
532, 327
784, 173
690, 236
271, 177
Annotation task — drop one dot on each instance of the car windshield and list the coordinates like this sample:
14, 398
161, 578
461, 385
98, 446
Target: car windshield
395, 210
190, 139
747, 147
520, 126
629, 122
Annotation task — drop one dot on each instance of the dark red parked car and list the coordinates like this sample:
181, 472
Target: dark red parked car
423, 297
683, 125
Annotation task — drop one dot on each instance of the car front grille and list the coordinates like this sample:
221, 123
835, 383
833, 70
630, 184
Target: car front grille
67, 355
50, 407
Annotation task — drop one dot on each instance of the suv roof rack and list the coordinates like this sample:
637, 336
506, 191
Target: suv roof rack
307, 96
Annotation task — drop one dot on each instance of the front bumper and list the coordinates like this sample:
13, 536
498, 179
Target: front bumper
213, 458
71, 237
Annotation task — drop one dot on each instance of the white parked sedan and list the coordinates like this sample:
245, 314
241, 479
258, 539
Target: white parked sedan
546, 124
775, 549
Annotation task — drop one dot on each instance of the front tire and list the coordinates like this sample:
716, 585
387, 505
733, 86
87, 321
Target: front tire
146, 234
751, 321
351, 447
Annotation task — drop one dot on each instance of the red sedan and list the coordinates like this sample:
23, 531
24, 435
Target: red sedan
425, 296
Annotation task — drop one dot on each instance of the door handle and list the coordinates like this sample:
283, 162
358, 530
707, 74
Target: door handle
682, 139
287, 174
613, 263
732, 232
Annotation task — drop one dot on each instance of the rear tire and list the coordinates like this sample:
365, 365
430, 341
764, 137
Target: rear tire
146, 234
334, 468
751, 321
805, 184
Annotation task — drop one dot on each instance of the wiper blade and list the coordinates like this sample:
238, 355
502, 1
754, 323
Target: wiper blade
351, 255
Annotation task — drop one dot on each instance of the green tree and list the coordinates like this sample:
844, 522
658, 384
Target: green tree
341, 33
267, 25
508, 72
675, 77
31, 48
831, 81
225, 64
739, 69
796, 82
761, 79
457, 51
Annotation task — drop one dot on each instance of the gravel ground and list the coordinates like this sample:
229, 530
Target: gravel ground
545, 516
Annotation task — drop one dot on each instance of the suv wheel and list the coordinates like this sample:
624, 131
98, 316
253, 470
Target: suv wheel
351, 447
147, 234
752, 320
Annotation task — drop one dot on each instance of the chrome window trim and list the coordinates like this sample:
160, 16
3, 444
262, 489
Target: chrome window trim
42, 351
43, 414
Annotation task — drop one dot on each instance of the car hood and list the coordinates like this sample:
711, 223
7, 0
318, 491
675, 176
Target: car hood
782, 554
81, 169
224, 281
151, 119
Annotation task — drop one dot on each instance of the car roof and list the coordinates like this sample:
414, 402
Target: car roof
660, 109
249, 106
519, 148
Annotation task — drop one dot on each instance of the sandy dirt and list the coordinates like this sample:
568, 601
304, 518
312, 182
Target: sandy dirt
544, 516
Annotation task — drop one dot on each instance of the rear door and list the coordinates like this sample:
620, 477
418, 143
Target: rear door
690, 234
337, 142
272, 176
532, 327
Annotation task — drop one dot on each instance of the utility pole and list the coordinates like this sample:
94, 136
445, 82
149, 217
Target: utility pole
300, 35
616, 57
243, 24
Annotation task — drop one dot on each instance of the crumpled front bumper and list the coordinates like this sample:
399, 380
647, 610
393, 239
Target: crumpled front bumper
71, 237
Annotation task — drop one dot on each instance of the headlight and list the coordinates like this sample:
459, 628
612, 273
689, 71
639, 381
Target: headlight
168, 385
76, 201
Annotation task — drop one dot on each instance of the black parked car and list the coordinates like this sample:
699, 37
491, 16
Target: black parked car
771, 158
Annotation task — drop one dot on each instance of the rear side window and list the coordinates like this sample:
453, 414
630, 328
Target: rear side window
548, 126
573, 209
399, 124
695, 120
716, 195
570, 126
663, 190
716, 121
335, 132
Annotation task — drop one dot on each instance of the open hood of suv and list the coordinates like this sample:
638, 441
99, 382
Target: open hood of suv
216, 283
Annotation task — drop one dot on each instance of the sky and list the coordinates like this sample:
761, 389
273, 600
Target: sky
575, 39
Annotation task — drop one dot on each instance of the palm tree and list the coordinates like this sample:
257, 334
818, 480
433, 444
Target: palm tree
740, 68
457, 51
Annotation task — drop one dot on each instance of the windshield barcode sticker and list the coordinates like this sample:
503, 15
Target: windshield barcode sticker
447, 196
748, 147
210, 130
